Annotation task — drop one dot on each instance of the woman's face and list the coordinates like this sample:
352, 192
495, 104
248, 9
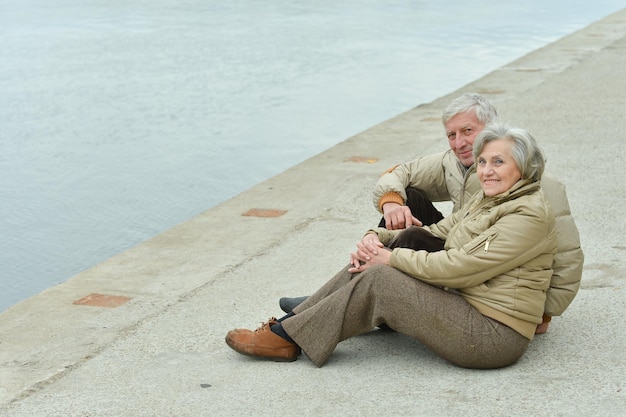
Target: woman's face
496, 168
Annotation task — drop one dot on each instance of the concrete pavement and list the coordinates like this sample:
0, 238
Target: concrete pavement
149, 339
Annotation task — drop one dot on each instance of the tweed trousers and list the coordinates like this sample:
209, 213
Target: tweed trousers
352, 304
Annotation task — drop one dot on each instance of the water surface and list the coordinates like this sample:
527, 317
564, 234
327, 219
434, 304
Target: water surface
120, 119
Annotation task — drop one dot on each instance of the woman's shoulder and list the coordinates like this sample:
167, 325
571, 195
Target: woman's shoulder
535, 204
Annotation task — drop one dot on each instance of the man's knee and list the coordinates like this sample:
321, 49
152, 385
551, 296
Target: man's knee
421, 206
417, 238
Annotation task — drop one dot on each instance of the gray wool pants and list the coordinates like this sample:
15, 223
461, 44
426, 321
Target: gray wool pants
352, 304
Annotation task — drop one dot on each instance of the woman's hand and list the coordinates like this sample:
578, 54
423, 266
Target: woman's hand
369, 251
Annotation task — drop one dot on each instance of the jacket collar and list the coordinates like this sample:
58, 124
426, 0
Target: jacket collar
520, 188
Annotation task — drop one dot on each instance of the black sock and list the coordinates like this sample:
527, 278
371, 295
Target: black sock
278, 329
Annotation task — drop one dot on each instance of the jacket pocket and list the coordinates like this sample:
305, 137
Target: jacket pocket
482, 242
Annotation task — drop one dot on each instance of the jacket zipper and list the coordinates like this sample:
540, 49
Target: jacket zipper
489, 239
483, 243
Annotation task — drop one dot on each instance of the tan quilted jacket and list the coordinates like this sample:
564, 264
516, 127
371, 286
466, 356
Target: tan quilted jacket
443, 178
499, 253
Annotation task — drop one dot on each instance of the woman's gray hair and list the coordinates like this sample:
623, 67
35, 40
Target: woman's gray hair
525, 151
484, 110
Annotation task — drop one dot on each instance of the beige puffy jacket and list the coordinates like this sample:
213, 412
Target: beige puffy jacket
442, 177
499, 253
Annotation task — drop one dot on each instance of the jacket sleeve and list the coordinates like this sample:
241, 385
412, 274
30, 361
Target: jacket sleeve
440, 229
426, 173
477, 261
568, 260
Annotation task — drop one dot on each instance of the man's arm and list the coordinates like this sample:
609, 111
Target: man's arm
425, 173
399, 216
568, 262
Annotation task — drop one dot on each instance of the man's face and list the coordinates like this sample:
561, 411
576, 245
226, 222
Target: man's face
461, 131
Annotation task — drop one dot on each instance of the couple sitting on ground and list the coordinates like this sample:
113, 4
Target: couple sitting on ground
476, 286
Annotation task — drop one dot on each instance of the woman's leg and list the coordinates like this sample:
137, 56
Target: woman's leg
414, 238
338, 281
270, 341
441, 320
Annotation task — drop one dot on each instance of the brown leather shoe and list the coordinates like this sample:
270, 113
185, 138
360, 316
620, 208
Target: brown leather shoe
263, 343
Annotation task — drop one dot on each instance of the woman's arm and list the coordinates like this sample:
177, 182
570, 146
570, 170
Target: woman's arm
513, 240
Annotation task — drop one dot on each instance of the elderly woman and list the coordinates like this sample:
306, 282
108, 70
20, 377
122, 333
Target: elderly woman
475, 302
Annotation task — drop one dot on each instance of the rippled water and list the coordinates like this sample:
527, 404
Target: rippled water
120, 119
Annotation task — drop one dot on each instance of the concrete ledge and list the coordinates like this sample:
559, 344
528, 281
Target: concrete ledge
161, 351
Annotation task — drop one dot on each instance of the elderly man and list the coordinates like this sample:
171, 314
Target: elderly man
405, 193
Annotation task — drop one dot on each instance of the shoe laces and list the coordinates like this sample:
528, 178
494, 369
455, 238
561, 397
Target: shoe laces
267, 324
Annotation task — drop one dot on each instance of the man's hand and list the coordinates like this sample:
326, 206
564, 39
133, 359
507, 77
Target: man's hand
399, 217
